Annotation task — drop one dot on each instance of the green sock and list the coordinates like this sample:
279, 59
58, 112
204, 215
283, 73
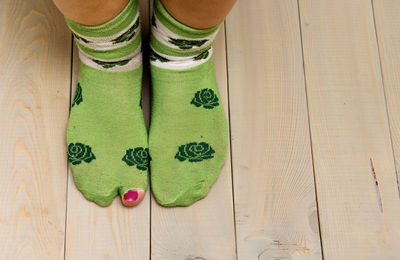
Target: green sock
107, 138
188, 133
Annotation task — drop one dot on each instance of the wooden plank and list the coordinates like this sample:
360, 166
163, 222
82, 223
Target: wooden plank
387, 20
204, 230
350, 134
115, 232
276, 212
34, 100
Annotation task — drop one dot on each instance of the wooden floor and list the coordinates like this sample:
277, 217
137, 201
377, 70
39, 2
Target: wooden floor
312, 92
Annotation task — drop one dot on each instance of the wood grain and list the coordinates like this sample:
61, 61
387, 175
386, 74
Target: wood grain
350, 133
34, 100
276, 212
115, 232
387, 20
205, 230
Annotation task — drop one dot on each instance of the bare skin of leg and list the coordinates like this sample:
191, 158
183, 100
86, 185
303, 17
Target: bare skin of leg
90, 12
199, 14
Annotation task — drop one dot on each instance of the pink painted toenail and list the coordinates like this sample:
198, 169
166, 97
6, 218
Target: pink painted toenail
131, 195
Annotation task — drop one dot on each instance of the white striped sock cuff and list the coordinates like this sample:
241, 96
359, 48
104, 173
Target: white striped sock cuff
128, 63
177, 42
178, 62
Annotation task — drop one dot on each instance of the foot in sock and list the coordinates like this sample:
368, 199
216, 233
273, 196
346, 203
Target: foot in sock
188, 132
106, 136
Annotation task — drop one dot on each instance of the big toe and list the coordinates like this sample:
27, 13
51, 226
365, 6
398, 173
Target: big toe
131, 197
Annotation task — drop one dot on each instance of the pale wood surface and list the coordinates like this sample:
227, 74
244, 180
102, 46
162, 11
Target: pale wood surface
35, 50
349, 131
276, 212
312, 98
387, 21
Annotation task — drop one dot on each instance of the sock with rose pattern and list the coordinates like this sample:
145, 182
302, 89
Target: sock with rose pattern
107, 138
188, 132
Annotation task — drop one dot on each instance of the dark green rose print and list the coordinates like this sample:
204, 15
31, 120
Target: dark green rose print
78, 152
194, 152
202, 55
206, 98
138, 157
78, 95
110, 64
128, 35
186, 44
155, 56
81, 38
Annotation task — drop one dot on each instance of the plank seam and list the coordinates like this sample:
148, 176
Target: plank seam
68, 167
309, 130
230, 138
149, 11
